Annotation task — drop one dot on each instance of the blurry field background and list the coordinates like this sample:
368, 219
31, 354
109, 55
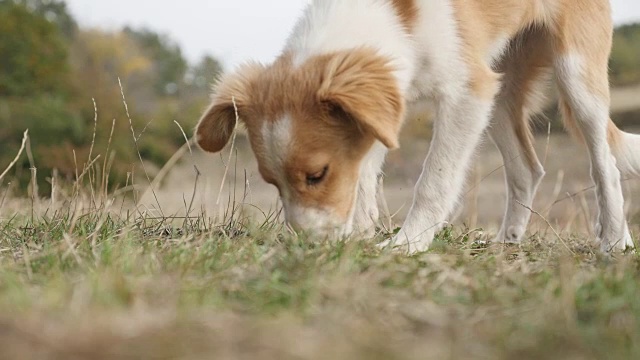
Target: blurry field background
97, 264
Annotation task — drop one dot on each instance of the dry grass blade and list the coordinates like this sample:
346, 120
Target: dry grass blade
95, 129
25, 137
54, 177
548, 144
233, 143
187, 141
173, 161
34, 192
105, 169
93, 285
135, 142
195, 167
548, 224
72, 248
382, 199
88, 167
168, 166
27, 261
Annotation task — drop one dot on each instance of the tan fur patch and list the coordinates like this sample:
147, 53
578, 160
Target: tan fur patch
523, 66
338, 104
568, 27
216, 125
362, 84
341, 148
614, 135
407, 10
587, 31
481, 23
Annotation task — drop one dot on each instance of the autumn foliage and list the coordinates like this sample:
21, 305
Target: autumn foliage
52, 71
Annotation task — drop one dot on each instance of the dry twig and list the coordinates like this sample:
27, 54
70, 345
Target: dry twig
24, 142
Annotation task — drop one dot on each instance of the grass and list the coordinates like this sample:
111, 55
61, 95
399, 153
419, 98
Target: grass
89, 275
95, 284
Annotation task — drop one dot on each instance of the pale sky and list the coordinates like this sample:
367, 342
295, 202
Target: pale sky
231, 30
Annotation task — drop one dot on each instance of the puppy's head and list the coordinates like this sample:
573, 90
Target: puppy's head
310, 126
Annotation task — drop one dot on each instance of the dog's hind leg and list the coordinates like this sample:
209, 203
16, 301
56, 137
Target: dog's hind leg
582, 46
526, 69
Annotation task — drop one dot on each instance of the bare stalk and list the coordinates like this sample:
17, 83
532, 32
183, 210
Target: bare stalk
233, 142
12, 164
549, 224
135, 142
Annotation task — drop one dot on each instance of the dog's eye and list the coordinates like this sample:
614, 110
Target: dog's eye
318, 177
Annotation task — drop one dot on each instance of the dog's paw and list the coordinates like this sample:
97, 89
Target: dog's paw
617, 243
404, 244
512, 235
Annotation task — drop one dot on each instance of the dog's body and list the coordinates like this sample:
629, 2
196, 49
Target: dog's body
322, 116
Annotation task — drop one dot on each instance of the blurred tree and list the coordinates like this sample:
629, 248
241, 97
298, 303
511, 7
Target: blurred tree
50, 70
187, 107
98, 60
625, 56
203, 74
170, 67
35, 86
33, 56
55, 11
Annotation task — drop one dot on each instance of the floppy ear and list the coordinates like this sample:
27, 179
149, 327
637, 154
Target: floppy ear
361, 83
231, 93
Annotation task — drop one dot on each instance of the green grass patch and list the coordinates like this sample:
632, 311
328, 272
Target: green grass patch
102, 286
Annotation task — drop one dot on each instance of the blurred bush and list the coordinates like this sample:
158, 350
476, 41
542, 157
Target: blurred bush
51, 71
625, 56
33, 53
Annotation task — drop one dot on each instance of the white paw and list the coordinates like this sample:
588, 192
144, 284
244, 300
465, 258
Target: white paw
406, 244
617, 243
365, 231
628, 241
512, 235
365, 222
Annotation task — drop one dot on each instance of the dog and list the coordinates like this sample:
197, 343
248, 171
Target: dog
322, 117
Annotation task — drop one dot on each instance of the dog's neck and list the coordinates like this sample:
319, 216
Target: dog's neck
334, 25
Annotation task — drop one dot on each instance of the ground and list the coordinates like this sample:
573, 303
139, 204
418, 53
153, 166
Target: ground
565, 197
89, 276
99, 286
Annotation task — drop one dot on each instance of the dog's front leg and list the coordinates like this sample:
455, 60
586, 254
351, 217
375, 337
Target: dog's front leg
458, 128
366, 211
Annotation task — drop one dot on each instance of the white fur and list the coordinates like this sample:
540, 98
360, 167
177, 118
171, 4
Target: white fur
276, 137
437, 29
319, 220
628, 155
332, 25
442, 77
592, 115
458, 129
423, 73
521, 176
522, 180
430, 66
498, 49
366, 211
